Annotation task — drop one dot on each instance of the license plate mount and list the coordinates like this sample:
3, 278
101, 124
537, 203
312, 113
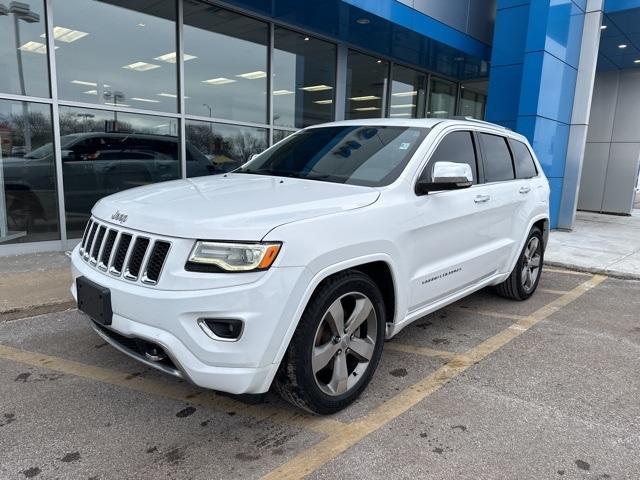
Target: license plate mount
94, 300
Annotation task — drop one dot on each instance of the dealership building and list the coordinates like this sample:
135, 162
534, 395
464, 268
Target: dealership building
97, 96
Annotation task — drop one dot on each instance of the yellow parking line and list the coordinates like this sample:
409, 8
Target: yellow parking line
554, 292
183, 392
425, 351
335, 444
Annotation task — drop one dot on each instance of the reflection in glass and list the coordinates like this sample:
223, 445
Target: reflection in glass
366, 86
28, 201
442, 98
280, 135
408, 88
105, 152
304, 79
23, 49
218, 148
117, 53
228, 76
473, 99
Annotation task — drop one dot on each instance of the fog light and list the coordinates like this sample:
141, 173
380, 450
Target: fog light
225, 329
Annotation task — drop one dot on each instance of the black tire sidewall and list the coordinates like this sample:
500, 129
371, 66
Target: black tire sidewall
322, 300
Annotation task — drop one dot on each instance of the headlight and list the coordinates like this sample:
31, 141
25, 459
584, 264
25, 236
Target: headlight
232, 257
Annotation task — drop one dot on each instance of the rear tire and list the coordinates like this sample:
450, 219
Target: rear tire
523, 280
337, 346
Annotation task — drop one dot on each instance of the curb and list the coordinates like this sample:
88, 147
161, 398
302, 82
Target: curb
34, 310
600, 271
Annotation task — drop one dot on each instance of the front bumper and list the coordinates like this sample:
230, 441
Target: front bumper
169, 318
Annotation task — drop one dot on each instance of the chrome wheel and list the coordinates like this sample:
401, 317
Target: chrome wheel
344, 343
531, 264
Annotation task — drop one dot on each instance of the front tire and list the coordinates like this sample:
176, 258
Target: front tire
523, 280
336, 347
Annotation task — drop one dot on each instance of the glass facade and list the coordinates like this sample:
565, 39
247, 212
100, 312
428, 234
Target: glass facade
184, 89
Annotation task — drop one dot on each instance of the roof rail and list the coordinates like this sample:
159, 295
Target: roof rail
475, 120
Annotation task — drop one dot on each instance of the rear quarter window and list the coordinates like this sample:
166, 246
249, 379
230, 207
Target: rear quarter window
523, 160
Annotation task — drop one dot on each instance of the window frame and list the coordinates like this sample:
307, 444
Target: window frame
484, 158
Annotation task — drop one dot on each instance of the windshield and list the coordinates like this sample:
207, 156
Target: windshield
358, 155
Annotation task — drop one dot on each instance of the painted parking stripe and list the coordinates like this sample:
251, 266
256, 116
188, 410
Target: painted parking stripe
183, 392
553, 292
335, 444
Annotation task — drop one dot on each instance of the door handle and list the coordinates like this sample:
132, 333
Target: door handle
524, 190
481, 198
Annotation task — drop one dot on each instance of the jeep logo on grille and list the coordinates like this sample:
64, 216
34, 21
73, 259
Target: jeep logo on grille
119, 217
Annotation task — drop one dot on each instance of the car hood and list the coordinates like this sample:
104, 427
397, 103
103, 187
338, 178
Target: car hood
228, 207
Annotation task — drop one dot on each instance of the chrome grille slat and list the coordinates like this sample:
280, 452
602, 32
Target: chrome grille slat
122, 252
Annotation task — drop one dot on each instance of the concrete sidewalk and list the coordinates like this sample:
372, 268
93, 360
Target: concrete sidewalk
599, 243
34, 284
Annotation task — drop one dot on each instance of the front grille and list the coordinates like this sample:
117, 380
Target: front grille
124, 253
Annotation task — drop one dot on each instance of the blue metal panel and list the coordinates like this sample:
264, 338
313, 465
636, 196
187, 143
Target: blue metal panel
556, 195
611, 6
509, 36
548, 85
504, 93
549, 140
512, 3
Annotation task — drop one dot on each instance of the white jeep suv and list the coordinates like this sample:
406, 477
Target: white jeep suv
293, 269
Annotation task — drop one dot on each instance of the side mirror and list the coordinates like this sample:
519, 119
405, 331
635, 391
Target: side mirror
446, 176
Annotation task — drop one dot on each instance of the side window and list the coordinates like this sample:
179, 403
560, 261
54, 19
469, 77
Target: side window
456, 147
498, 165
525, 166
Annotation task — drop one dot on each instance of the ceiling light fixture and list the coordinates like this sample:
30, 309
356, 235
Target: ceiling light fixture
147, 100
34, 47
82, 82
141, 66
603, 27
366, 109
171, 57
400, 114
408, 105
282, 92
219, 81
622, 45
364, 98
405, 94
324, 102
253, 75
91, 92
66, 35
316, 88
637, 61
363, 21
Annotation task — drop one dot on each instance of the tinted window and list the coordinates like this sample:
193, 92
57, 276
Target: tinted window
456, 147
525, 166
497, 158
357, 155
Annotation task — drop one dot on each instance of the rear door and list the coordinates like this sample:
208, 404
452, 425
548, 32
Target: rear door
452, 236
506, 204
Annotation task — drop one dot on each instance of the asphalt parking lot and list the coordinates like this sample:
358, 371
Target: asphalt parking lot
485, 389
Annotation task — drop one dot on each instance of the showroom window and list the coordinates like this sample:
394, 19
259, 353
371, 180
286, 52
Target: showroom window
442, 98
408, 90
23, 49
473, 99
105, 152
304, 75
117, 53
28, 195
225, 64
366, 86
218, 148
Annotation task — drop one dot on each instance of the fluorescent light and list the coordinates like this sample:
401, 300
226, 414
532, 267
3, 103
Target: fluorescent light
148, 100
253, 75
82, 82
170, 95
636, 61
603, 27
117, 104
405, 94
622, 45
171, 57
324, 102
282, 92
407, 105
400, 114
440, 112
363, 21
316, 88
34, 47
141, 66
66, 34
364, 98
91, 92
366, 109
218, 81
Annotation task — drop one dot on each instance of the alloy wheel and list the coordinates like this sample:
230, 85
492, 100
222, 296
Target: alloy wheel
531, 263
344, 343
